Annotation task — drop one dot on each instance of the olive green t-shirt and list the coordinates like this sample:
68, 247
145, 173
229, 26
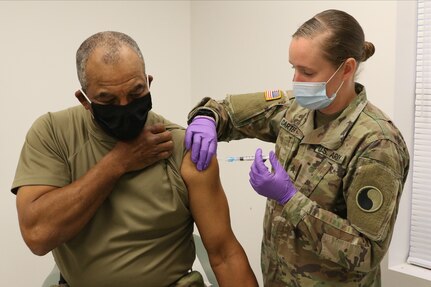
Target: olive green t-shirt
142, 234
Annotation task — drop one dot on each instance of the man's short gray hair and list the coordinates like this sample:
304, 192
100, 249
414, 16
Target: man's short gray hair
112, 42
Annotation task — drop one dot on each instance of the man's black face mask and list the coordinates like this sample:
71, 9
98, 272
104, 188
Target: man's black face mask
123, 122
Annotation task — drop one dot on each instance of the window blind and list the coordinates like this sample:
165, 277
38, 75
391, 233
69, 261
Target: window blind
420, 230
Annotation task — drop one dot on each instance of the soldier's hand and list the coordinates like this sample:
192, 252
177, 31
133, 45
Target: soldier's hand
276, 184
201, 138
153, 144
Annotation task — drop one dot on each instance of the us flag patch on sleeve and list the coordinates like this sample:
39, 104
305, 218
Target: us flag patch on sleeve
272, 95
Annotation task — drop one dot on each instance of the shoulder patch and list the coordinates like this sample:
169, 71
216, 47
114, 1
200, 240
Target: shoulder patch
372, 199
369, 199
272, 95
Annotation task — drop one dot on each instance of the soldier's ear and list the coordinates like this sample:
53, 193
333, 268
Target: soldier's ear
349, 68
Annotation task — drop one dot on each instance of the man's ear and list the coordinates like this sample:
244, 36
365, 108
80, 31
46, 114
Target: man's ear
83, 100
150, 79
349, 68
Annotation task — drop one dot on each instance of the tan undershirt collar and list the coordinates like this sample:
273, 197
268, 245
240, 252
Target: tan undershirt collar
321, 119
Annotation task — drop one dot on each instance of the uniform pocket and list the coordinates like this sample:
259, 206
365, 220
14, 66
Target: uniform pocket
311, 175
286, 147
342, 252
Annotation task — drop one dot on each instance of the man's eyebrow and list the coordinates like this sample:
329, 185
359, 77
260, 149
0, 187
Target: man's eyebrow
137, 87
103, 95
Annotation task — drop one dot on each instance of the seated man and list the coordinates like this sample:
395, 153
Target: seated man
92, 189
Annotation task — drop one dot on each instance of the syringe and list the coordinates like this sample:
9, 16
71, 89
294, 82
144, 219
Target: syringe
244, 158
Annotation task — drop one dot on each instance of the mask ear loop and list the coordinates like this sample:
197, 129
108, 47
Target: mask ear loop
336, 92
335, 72
85, 95
148, 81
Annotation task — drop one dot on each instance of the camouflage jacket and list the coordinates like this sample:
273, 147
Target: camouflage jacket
349, 174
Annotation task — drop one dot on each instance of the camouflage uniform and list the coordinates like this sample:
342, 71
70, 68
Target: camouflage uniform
349, 174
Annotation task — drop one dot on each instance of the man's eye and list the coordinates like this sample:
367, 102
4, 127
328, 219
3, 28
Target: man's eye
108, 101
135, 96
138, 89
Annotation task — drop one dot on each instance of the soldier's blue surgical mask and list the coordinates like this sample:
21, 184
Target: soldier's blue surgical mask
312, 95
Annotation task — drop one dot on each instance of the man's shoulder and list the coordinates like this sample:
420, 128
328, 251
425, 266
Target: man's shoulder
154, 118
58, 125
178, 134
50, 119
177, 131
62, 115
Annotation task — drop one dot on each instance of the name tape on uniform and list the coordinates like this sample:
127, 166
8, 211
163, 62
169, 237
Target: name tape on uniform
291, 128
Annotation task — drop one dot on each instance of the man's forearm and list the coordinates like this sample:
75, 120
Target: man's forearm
51, 216
233, 269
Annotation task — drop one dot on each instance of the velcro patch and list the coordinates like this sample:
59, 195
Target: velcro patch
372, 198
272, 95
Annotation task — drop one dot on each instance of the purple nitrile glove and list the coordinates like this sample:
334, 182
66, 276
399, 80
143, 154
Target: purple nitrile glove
201, 137
276, 185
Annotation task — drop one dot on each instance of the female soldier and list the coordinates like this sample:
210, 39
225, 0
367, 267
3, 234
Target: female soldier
339, 165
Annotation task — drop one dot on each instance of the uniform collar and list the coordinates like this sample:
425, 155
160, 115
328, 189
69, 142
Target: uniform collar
332, 135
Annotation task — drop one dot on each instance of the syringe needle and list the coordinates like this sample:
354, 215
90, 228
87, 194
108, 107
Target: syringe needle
245, 158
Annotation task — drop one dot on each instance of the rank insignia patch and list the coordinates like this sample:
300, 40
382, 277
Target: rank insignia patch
272, 95
369, 199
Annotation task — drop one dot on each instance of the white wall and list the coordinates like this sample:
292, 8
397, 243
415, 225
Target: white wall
400, 273
242, 46
194, 49
37, 74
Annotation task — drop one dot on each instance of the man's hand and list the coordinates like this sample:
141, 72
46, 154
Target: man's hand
153, 144
201, 137
276, 185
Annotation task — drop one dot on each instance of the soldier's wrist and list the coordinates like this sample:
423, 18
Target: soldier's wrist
206, 112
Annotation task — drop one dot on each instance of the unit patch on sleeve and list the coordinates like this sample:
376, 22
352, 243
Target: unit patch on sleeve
369, 199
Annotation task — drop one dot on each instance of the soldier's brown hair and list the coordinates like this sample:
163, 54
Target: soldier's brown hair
344, 37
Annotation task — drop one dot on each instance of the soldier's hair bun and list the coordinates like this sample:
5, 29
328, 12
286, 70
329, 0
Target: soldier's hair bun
369, 50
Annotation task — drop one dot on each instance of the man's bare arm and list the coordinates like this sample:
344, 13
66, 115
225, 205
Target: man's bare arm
211, 213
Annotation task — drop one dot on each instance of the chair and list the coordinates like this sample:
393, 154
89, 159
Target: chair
202, 256
202, 264
52, 278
